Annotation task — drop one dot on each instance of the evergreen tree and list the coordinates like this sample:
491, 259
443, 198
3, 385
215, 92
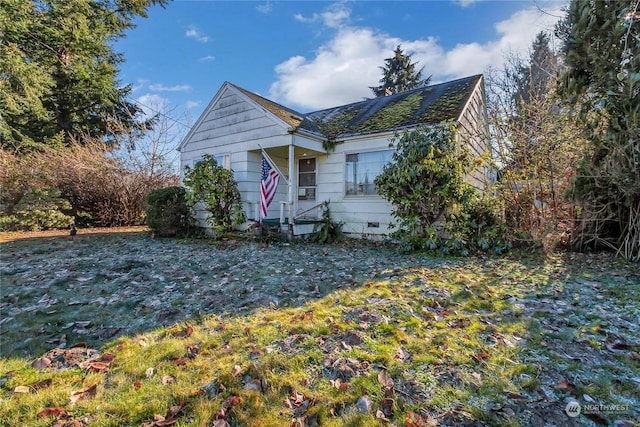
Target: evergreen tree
398, 75
534, 78
602, 50
59, 71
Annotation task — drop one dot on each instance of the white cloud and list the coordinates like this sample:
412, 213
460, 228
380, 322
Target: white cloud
192, 104
207, 58
335, 16
139, 85
162, 88
465, 3
194, 33
151, 104
343, 68
264, 8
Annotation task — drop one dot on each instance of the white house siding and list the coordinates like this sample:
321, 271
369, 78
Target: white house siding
358, 213
472, 130
232, 126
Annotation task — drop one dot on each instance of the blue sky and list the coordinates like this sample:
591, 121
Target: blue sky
310, 55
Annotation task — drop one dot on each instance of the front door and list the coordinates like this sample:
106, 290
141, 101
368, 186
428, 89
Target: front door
306, 187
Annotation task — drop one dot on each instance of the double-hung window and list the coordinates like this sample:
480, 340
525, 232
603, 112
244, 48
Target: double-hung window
362, 169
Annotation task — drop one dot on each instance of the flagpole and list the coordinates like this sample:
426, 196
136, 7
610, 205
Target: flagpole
274, 165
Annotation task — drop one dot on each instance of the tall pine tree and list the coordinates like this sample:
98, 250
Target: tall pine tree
602, 51
399, 74
534, 78
58, 71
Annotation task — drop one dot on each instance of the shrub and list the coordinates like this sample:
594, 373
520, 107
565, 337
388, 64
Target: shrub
215, 188
167, 212
436, 208
100, 187
39, 209
426, 177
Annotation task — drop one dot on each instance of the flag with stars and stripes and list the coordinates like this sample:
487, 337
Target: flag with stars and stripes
268, 186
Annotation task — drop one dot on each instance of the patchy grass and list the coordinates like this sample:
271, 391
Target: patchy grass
200, 334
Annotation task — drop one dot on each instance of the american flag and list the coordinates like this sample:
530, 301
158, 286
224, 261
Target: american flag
268, 186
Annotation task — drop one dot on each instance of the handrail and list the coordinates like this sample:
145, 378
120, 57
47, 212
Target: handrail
299, 215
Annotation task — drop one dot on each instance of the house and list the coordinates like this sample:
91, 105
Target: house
329, 155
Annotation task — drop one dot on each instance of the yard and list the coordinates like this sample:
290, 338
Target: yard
122, 329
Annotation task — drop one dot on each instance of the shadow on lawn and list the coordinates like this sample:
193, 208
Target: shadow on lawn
56, 292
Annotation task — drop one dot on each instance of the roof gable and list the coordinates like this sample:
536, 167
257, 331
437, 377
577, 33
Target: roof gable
287, 115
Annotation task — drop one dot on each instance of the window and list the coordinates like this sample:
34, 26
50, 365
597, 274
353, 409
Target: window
224, 160
362, 169
307, 179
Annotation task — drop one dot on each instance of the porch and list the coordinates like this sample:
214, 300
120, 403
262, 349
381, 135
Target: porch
296, 207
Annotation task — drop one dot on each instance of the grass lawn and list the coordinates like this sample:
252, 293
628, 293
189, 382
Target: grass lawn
117, 328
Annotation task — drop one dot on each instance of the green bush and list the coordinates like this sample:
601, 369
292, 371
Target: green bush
40, 208
167, 212
437, 209
215, 189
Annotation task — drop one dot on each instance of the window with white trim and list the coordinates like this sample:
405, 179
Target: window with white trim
362, 169
223, 160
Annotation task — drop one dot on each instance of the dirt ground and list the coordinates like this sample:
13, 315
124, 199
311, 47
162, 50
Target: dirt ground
10, 236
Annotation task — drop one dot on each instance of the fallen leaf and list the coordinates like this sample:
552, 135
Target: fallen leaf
98, 366
40, 384
515, 396
597, 418
184, 333
386, 406
57, 412
385, 379
21, 389
230, 402
86, 393
170, 419
176, 410
566, 386
403, 354
237, 370
107, 357
167, 379
481, 357
179, 361
149, 372
41, 363
412, 419
136, 385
